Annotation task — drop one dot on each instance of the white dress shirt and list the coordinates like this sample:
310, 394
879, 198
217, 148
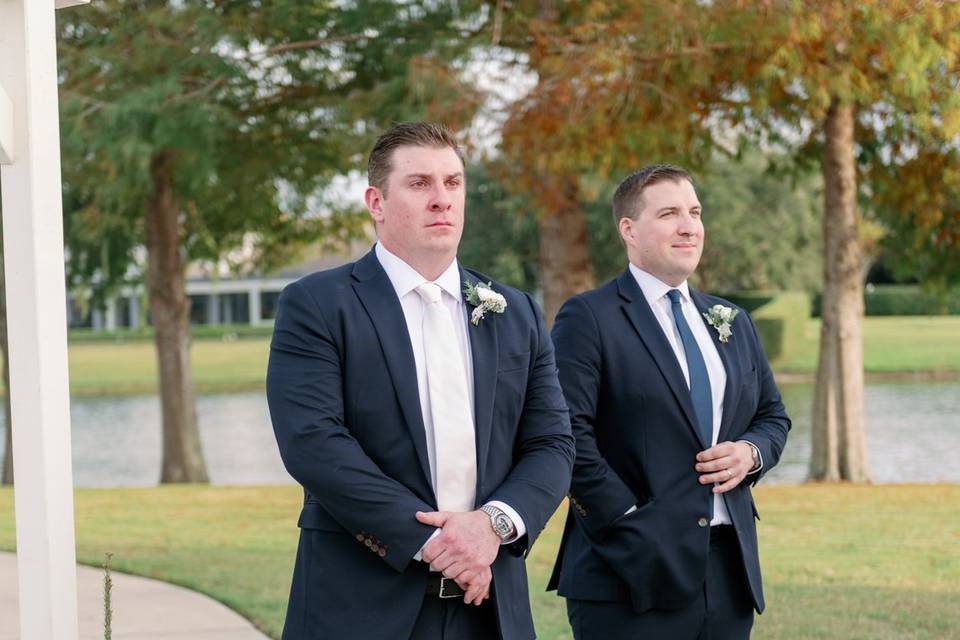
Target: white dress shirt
405, 279
655, 292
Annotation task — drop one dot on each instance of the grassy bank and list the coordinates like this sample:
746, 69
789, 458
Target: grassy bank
893, 345
839, 561
131, 367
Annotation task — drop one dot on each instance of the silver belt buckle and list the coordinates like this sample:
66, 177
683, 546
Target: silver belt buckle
443, 588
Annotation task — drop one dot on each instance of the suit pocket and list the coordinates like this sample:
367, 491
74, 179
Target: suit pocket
316, 518
513, 362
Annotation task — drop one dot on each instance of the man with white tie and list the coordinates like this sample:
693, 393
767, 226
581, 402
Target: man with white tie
676, 414
418, 405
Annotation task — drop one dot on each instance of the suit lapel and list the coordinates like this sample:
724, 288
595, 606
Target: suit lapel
731, 392
379, 298
651, 334
484, 350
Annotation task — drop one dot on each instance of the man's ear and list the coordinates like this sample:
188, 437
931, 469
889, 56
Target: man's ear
374, 201
625, 228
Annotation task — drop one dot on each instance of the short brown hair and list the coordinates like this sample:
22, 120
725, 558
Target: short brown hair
628, 199
405, 134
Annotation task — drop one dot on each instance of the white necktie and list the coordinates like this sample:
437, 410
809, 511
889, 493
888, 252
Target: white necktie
453, 430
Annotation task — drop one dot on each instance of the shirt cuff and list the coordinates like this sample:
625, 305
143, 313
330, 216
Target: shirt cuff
759, 457
520, 529
418, 556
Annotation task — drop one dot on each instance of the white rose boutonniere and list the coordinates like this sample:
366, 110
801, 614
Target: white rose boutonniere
484, 298
720, 317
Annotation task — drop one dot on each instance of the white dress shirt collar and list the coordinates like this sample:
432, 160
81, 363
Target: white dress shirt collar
405, 278
653, 288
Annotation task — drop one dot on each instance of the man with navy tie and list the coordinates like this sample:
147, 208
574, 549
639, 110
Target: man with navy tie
417, 402
675, 414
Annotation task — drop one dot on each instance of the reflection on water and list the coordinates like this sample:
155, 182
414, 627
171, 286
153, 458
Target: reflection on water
116, 440
913, 432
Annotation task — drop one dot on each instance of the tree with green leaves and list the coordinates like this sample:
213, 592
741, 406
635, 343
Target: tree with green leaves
763, 227
191, 129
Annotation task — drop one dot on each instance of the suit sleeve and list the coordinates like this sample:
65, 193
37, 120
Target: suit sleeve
770, 424
544, 447
305, 396
596, 487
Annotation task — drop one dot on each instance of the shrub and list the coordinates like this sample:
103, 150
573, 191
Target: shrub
903, 300
781, 324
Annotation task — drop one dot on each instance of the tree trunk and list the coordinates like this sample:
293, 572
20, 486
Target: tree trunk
839, 445
565, 267
8, 447
170, 308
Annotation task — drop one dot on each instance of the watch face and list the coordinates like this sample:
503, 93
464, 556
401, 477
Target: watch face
502, 525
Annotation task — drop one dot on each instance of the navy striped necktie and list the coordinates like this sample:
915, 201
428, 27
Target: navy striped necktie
697, 368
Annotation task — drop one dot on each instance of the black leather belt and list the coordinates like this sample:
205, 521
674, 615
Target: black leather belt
442, 587
720, 532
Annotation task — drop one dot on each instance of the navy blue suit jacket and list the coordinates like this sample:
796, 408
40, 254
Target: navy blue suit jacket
634, 423
342, 390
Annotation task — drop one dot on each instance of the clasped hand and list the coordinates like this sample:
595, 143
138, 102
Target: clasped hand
724, 465
463, 550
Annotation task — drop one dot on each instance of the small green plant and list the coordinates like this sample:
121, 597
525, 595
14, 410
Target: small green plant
107, 605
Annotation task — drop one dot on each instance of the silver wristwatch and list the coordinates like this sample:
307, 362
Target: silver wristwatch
500, 521
755, 453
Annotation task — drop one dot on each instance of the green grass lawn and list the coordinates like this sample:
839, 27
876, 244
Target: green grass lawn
840, 561
131, 367
892, 345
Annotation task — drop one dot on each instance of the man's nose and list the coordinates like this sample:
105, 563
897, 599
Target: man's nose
689, 225
439, 199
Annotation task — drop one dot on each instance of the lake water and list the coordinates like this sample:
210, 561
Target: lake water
913, 434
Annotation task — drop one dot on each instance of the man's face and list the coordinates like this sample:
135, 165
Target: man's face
666, 239
421, 216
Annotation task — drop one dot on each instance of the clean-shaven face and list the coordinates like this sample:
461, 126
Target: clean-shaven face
666, 239
421, 216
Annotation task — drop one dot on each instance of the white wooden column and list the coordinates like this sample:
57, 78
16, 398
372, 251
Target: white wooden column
253, 304
110, 315
37, 323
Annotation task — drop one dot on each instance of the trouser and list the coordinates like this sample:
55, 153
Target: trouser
723, 610
451, 619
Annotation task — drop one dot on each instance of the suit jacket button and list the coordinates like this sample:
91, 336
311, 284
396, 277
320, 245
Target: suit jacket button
382, 553
374, 548
368, 542
359, 537
703, 522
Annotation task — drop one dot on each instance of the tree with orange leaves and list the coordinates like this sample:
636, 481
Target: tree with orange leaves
864, 90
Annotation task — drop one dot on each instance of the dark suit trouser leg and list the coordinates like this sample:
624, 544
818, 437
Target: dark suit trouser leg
723, 610
729, 605
451, 619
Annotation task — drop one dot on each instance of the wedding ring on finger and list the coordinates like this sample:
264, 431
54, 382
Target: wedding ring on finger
729, 474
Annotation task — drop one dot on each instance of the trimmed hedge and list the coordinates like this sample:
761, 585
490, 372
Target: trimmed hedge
781, 324
225, 332
750, 301
903, 300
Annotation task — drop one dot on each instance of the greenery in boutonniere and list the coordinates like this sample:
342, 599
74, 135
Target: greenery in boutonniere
484, 299
720, 318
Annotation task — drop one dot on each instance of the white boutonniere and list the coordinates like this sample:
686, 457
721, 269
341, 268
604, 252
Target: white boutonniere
720, 317
484, 298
